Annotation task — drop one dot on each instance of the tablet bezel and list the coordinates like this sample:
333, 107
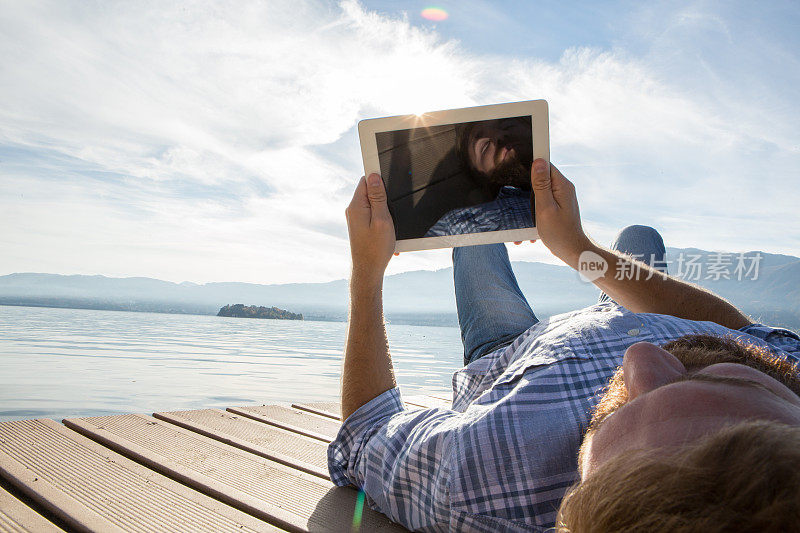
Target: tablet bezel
536, 109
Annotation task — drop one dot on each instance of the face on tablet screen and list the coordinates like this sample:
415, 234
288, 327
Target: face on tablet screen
458, 179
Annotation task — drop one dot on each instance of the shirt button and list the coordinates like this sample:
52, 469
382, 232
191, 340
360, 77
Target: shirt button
633, 332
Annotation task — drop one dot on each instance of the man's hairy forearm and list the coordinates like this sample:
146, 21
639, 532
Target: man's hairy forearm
650, 291
367, 368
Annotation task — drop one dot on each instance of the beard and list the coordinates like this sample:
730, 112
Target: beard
699, 351
514, 170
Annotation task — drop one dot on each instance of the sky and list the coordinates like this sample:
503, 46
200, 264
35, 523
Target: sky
216, 141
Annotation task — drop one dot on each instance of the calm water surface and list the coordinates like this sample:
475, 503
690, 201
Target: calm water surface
57, 363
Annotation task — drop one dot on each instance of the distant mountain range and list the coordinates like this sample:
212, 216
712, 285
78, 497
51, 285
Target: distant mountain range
419, 297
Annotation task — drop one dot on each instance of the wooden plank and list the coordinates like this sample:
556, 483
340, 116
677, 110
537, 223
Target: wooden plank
427, 402
446, 396
302, 422
91, 488
286, 447
333, 410
266, 489
52, 497
15, 516
328, 409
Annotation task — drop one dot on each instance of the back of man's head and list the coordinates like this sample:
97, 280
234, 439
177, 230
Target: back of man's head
743, 478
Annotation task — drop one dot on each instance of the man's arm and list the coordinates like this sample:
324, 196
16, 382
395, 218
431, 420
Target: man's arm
559, 225
367, 370
398, 457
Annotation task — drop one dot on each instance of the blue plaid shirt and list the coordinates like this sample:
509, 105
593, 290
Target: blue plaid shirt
510, 210
502, 458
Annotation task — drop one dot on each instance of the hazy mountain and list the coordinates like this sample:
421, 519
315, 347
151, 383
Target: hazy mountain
773, 297
419, 297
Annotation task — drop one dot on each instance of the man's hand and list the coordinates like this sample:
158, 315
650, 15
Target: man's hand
557, 217
371, 230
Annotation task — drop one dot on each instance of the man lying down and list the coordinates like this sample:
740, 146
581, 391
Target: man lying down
661, 408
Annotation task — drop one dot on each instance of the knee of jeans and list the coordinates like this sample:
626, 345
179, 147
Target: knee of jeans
639, 231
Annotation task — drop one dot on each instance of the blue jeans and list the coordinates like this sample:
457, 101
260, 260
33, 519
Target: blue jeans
643, 243
492, 311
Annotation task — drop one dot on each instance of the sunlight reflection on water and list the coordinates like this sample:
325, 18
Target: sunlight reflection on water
57, 363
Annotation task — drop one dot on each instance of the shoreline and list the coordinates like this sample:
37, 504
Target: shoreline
396, 319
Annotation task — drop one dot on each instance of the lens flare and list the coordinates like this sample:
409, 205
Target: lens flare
358, 511
436, 14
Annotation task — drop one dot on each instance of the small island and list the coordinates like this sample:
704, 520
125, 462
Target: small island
252, 311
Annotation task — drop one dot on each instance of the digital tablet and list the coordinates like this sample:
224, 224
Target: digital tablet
458, 177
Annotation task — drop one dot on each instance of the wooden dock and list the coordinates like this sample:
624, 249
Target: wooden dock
257, 468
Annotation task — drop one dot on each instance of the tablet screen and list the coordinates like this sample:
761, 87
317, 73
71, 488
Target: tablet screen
456, 179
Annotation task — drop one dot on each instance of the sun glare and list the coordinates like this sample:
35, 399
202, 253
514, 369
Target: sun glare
435, 14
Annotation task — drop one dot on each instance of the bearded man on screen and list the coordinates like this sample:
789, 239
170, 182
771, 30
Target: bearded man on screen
698, 429
497, 154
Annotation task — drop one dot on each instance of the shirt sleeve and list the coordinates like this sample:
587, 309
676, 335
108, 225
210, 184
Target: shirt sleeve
780, 338
400, 458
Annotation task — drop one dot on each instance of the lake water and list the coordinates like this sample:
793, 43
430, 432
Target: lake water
58, 363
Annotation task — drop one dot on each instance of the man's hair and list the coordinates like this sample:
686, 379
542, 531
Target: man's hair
463, 141
463, 137
742, 478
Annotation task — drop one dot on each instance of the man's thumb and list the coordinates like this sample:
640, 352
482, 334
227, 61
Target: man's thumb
540, 182
375, 192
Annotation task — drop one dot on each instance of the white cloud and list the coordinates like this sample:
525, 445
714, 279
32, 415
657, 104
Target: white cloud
225, 134
218, 94
119, 84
